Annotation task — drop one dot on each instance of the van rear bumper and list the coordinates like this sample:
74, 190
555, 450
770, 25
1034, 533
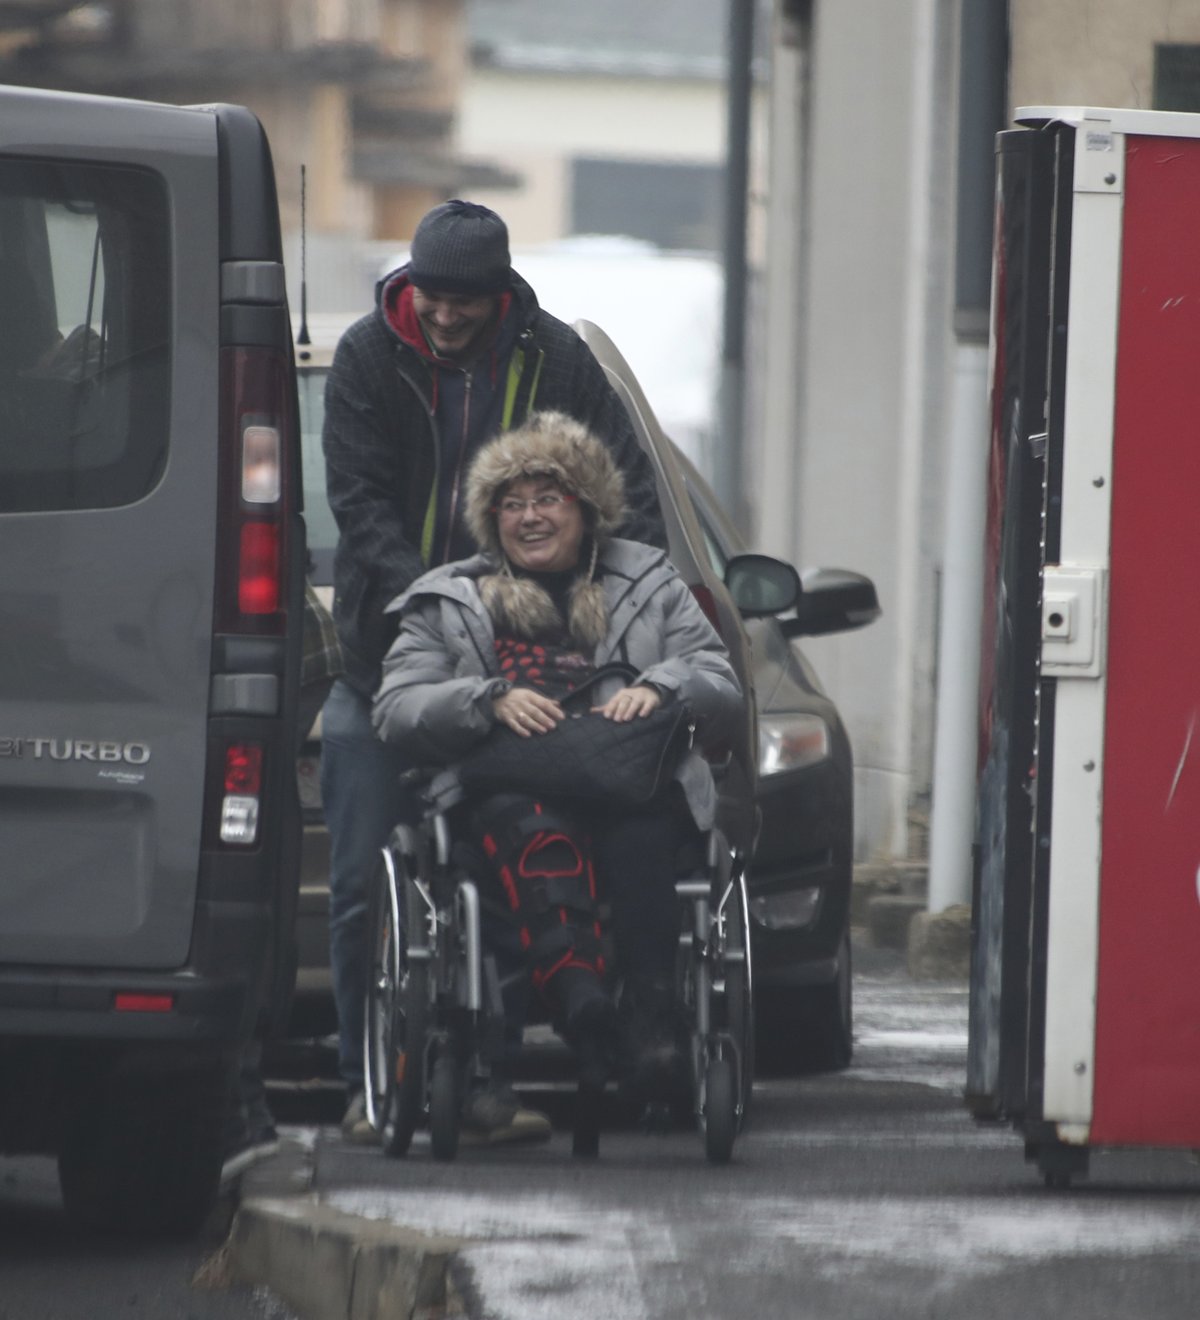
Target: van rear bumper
215, 997
68, 1043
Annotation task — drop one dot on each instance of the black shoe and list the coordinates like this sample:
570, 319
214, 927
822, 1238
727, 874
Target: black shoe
593, 1033
656, 1042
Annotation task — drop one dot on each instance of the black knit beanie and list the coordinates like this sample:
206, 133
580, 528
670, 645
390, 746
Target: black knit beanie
460, 247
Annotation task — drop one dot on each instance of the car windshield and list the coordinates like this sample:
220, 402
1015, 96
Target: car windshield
713, 548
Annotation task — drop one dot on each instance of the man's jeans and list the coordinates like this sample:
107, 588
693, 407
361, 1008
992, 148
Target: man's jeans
362, 799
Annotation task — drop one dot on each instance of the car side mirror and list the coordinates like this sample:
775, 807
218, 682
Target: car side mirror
761, 585
832, 600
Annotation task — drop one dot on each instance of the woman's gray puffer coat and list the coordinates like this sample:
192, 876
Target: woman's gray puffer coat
441, 676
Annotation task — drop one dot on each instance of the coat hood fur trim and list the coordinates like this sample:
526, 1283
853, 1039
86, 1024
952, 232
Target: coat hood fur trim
549, 444
520, 607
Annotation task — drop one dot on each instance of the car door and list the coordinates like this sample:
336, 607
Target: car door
736, 767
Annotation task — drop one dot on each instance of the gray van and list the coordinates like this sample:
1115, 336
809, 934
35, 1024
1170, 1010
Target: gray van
151, 582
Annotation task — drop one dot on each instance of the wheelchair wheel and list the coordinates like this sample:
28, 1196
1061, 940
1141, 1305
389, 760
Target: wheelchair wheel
720, 978
407, 1099
720, 1109
410, 1021
739, 991
444, 1102
383, 986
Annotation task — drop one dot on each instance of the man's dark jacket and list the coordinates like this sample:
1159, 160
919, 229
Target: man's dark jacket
384, 451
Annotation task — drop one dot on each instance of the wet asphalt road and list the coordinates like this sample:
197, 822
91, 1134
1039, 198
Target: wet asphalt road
866, 1195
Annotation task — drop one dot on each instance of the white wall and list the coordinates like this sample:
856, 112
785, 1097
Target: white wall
1093, 52
873, 352
846, 468
535, 123
586, 114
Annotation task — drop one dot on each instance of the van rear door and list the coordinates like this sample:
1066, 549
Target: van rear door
110, 400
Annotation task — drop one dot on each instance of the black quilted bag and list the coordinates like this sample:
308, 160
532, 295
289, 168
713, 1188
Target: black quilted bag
584, 757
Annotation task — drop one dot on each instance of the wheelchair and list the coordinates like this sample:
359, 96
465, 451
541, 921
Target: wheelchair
434, 995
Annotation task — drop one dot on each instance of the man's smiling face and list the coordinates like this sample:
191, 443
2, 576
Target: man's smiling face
454, 323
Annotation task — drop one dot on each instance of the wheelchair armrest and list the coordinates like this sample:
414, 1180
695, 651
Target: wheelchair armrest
695, 887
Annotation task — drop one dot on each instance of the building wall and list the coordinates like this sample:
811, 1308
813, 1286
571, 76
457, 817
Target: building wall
859, 294
1092, 52
537, 122
867, 210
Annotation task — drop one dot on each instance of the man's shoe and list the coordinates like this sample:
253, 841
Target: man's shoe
493, 1116
356, 1126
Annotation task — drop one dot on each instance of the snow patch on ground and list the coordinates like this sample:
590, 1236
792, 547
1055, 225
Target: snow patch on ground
910, 1033
538, 1253
958, 1236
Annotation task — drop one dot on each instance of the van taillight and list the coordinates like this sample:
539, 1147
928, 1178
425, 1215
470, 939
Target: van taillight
129, 1001
243, 791
255, 495
258, 568
261, 479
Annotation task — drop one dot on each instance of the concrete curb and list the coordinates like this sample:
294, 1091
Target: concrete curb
939, 945
328, 1265
890, 918
888, 901
323, 1263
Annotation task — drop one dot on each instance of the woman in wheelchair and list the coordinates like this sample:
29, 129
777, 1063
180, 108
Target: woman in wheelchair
503, 638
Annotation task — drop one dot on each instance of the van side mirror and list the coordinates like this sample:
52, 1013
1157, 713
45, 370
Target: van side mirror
761, 585
832, 600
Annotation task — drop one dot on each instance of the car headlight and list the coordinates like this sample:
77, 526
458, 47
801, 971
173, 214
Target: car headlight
792, 909
790, 742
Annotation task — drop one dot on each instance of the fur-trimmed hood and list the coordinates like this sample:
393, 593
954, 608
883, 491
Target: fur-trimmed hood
550, 444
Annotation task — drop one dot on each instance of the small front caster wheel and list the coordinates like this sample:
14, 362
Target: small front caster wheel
720, 1109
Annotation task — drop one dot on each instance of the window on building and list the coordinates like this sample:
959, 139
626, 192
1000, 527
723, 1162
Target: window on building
668, 203
1177, 78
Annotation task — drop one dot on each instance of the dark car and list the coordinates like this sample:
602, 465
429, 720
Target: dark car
786, 779
795, 766
799, 880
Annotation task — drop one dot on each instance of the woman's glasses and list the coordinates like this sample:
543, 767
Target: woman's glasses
548, 502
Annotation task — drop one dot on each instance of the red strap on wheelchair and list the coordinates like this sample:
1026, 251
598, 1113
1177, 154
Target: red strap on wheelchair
544, 865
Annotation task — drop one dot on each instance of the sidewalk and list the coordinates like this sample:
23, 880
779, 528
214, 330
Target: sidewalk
326, 1264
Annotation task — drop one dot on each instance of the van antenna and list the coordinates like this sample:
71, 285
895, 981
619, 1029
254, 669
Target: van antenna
302, 336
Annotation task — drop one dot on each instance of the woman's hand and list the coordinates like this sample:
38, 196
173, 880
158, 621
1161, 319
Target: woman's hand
527, 712
630, 703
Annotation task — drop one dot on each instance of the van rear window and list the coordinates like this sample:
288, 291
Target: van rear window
84, 333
